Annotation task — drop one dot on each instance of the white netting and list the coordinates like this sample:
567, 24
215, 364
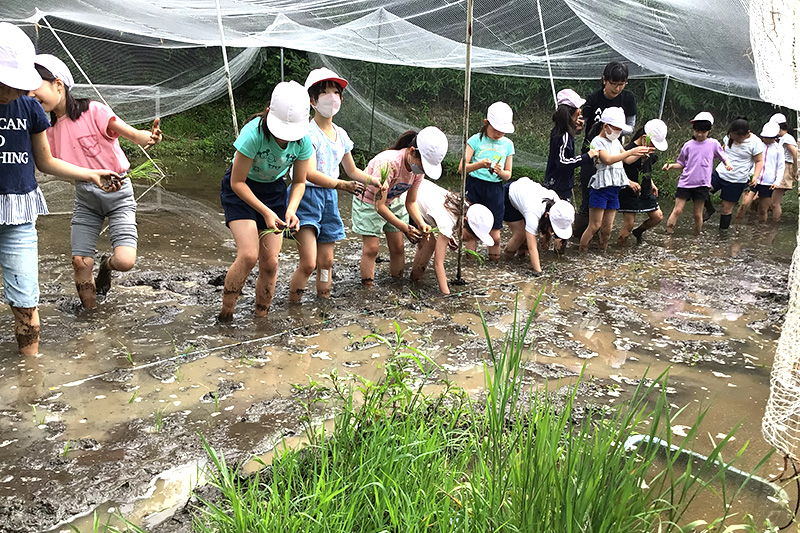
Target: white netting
774, 26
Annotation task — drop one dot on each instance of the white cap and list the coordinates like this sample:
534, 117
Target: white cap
16, 59
500, 117
657, 130
481, 220
778, 118
288, 111
432, 147
704, 115
770, 130
615, 116
56, 67
321, 74
562, 215
570, 98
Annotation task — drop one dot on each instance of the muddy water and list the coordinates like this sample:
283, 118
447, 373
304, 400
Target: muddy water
108, 415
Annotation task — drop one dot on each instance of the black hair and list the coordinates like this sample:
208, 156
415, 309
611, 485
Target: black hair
701, 125
597, 127
615, 72
407, 139
562, 120
322, 87
739, 126
638, 133
783, 126
545, 225
75, 106
484, 130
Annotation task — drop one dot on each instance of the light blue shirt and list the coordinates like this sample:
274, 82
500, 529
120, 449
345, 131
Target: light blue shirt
270, 161
487, 148
329, 152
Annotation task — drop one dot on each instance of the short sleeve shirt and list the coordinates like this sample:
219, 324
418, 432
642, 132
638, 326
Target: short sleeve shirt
608, 175
740, 156
19, 120
431, 204
786, 141
528, 197
400, 180
697, 160
329, 152
87, 142
496, 151
597, 102
270, 161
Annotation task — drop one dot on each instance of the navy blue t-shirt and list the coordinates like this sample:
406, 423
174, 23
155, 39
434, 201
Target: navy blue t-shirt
19, 120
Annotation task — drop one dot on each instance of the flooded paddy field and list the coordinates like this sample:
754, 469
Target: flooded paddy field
109, 415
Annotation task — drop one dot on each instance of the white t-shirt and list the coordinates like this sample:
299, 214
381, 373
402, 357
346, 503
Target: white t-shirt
430, 201
785, 141
608, 175
772, 170
528, 198
740, 156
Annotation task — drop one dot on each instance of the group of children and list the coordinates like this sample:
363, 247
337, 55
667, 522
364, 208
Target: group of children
391, 197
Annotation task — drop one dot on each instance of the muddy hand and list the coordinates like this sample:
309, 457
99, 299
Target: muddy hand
108, 181
155, 135
353, 187
292, 222
413, 234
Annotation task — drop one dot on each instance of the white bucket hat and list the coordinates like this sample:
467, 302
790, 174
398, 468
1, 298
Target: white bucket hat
321, 74
56, 67
770, 130
570, 98
432, 146
562, 215
481, 220
500, 116
704, 115
657, 130
16, 59
289, 108
778, 118
615, 116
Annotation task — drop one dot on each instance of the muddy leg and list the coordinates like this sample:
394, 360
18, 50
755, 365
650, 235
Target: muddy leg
763, 209
595, 221
245, 234
494, 250
628, 220
605, 227
324, 269
516, 240
397, 257
267, 272
425, 250
369, 253
777, 210
84, 280
26, 329
697, 213
307, 248
680, 203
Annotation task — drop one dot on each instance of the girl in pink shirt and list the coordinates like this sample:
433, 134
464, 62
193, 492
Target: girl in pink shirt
86, 133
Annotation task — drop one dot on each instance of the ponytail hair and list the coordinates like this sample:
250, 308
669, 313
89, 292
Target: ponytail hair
545, 226
484, 129
739, 126
562, 120
407, 139
75, 106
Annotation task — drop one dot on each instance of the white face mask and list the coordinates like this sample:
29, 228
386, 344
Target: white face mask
328, 104
612, 134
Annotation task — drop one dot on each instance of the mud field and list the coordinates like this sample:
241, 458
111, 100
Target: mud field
108, 416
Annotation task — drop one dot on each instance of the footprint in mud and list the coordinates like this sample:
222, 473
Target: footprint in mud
225, 389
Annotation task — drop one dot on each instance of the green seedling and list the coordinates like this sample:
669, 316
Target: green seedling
385, 171
128, 354
159, 420
647, 140
146, 171
178, 374
133, 396
478, 257
65, 451
413, 294
37, 418
287, 234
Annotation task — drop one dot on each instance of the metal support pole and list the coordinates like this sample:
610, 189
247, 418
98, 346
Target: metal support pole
282, 76
663, 97
227, 70
547, 53
467, 80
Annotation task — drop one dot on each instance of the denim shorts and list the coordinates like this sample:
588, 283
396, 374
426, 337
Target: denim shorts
92, 206
367, 222
488, 193
272, 195
510, 214
19, 262
319, 208
730, 192
605, 198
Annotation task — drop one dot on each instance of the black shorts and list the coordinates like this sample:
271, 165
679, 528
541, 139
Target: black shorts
272, 195
489, 194
511, 213
698, 194
763, 191
730, 192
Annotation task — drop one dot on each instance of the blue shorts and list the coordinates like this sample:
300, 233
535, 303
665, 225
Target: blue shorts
605, 198
511, 213
730, 192
488, 193
319, 209
19, 262
272, 195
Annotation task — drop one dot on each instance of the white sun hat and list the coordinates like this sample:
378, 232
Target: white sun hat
57, 68
778, 118
570, 98
704, 115
615, 116
657, 130
770, 130
432, 146
16, 59
481, 220
562, 215
289, 108
322, 74
500, 116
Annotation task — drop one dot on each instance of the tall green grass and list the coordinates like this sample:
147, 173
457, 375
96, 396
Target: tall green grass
403, 460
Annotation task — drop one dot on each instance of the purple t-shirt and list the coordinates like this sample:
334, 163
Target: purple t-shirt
697, 159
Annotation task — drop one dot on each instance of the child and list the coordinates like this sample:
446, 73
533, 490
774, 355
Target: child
745, 154
320, 223
254, 196
642, 197
86, 133
404, 166
559, 176
789, 145
772, 170
695, 160
531, 211
23, 142
441, 208
610, 177
489, 157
